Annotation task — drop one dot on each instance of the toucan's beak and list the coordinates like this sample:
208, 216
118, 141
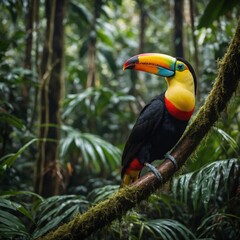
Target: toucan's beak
156, 63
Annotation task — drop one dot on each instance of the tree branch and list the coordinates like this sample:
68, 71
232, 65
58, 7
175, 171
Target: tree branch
117, 205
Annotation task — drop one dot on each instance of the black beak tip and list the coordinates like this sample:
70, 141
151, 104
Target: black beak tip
129, 67
130, 63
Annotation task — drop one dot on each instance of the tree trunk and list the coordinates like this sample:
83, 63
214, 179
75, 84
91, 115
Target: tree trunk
91, 78
34, 62
117, 205
48, 176
30, 21
141, 48
196, 61
143, 24
29, 31
178, 28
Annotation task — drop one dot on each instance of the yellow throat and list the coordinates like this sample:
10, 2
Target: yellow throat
180, 91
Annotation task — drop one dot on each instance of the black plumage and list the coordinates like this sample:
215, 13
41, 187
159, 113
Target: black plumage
153, 135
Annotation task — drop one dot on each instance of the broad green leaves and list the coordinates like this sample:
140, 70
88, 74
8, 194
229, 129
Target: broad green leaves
100, 194
11, 224
95, 100
141, 227
200, 188
9, 159
57, 210
91, 149
214, 10
44, 216
15, 214
168, 229
11, 120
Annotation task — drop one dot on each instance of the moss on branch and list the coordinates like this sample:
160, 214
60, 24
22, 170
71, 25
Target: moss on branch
117, 205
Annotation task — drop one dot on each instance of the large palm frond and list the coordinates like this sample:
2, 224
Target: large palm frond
101, 193
91, 150
55, 210
166, 229
220, 224
95, 100
14, 214
11, 219
199, 188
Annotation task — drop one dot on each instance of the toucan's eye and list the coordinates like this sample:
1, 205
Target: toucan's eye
180, 67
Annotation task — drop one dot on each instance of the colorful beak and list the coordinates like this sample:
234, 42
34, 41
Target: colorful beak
156, 63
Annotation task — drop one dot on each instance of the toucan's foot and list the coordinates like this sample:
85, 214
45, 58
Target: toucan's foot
155, 171
173, 160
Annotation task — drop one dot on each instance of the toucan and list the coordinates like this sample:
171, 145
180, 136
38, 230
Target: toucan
161, 122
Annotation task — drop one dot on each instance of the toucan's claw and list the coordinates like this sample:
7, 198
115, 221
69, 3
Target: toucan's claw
173, 160
155, 171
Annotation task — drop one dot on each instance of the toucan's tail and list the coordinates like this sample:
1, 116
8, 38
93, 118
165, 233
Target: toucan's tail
129, 177
132, 172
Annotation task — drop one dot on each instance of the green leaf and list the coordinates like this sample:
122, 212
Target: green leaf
15, 193
10, 205
168, 229
108, 55
11, 158
75, 99
83, 13
96, 100
55, 210
100, 194
210, 223
206, 184
12, 120
214, 10
233, 144
104, 37
10, 220
10, 225
94, 150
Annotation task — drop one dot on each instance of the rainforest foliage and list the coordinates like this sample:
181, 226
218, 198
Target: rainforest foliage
66, 109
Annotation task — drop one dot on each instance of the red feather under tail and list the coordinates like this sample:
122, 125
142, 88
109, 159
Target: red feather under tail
135, 165
132, 172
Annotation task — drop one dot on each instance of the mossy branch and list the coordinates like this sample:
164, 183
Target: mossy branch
117, 205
